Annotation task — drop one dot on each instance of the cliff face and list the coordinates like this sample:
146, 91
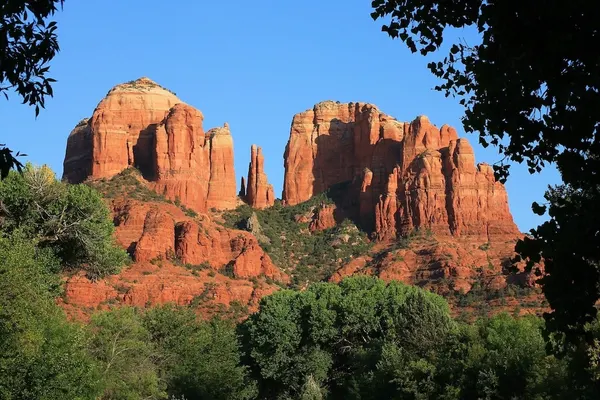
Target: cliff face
176, 259
258, 193
403, 175
143, 125
161, 231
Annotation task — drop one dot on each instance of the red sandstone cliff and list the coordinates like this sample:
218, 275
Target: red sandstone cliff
405, 175
258, 193
160, 231
144, 125
177, 259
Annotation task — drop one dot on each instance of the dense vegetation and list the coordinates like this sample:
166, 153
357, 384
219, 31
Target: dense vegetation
284, 234
365, 339
70, 222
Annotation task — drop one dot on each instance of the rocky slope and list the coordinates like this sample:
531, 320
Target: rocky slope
140, 124
178, 256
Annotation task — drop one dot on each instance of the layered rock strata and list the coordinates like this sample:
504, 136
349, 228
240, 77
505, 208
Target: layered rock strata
258, 193
154, 231
404, 176
140, 124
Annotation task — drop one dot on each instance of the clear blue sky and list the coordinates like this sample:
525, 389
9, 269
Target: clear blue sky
252, 64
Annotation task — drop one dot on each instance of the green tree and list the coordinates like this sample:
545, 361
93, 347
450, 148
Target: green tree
42, 356
499, 358
27, 44
582, 359
531, 87
569, 245
516, 358
311, 390
197, 359
401, 375
336, 334
72, 220
274, 343
128, 358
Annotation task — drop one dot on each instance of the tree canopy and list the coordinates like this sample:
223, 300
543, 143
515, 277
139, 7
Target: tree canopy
367, 339
27, 44
42, 356
334, 335
70, 220
531, 87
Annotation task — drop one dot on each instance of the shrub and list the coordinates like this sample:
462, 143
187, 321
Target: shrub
199, 267
227, 270
71, 220
310, 257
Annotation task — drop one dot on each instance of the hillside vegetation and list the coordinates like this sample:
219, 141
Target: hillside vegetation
283, 231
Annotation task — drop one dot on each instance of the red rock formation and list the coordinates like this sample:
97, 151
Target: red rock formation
143, 125
441, 263
407, 175
78, 162
335, 142
323, 218
121, 126
221, 186
385, 210
259, 193
181, 157
402, 177
177, 259
157, 237
199, 243
145, 284
161, 231
86, 293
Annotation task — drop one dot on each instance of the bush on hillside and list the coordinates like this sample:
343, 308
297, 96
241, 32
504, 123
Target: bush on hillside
70, 220
310, 257
127, 183
130, 183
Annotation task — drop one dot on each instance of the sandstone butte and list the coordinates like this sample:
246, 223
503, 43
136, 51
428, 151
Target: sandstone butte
401, 175
140, 124
398, 177
257, 192
176, 258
